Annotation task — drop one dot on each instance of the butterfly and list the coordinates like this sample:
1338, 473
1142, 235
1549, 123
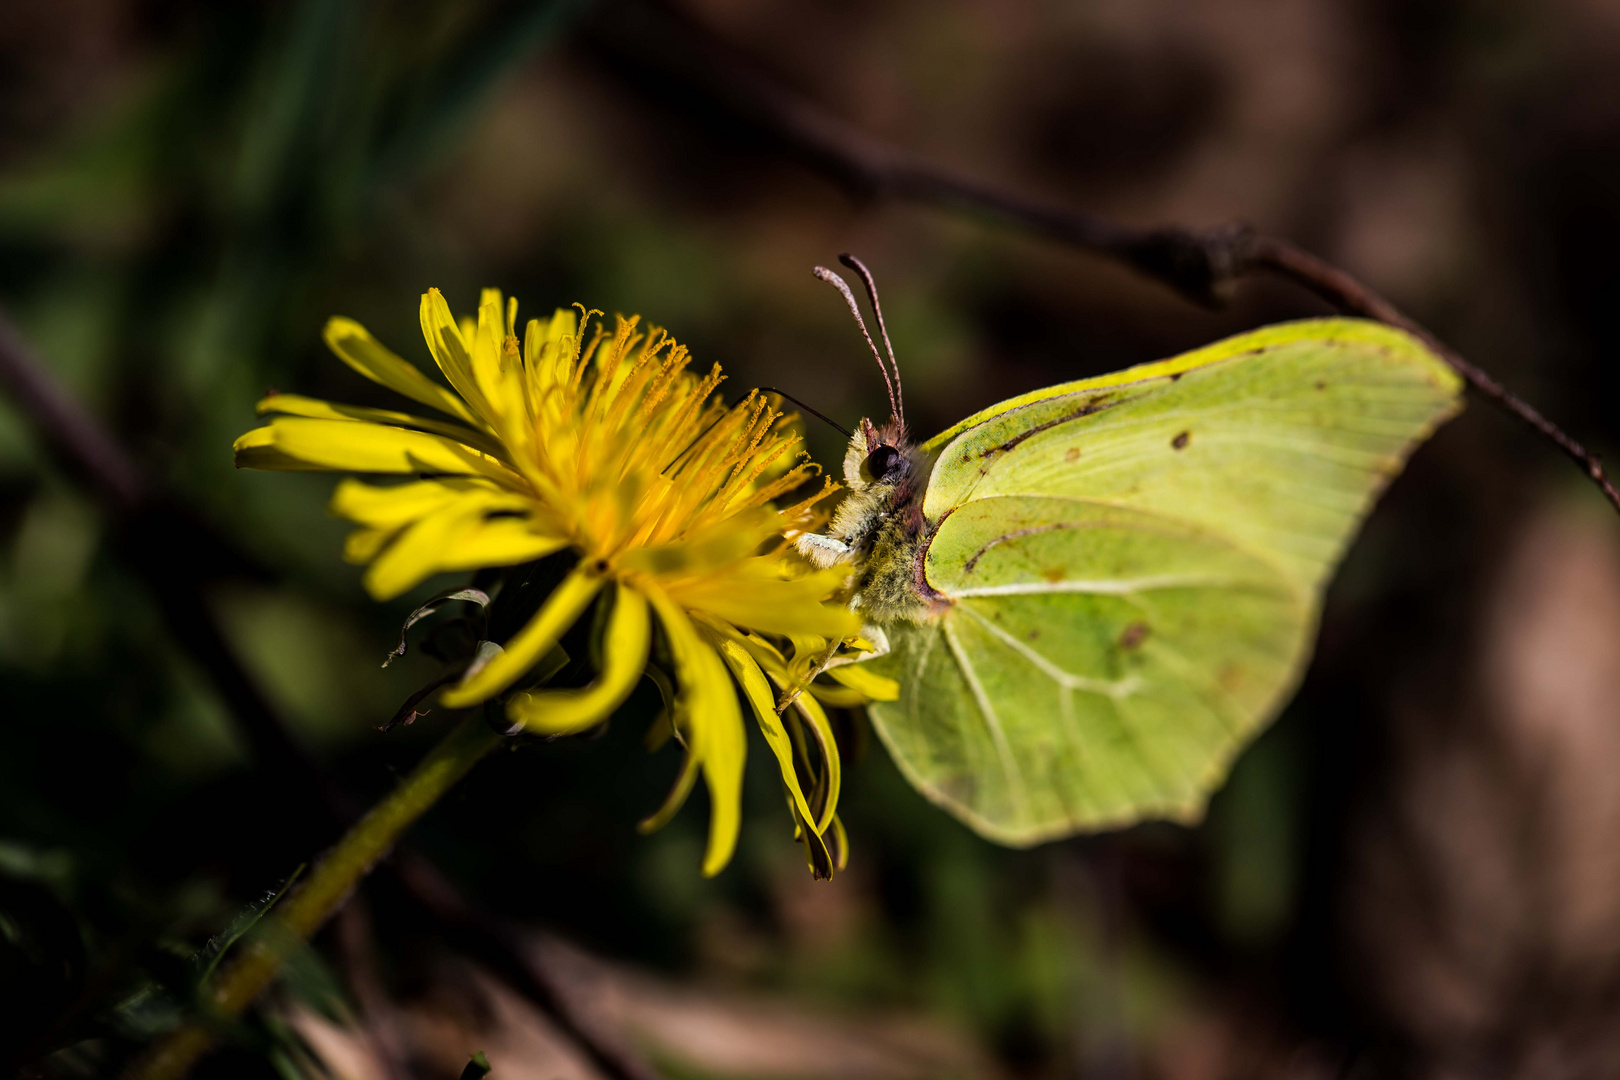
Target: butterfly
1092, 597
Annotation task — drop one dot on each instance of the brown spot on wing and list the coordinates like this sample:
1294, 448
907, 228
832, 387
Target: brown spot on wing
1133, 635
1055, 574
1181, 440
1072, 454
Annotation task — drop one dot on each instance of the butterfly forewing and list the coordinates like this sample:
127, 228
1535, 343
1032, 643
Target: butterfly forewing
1279, 439
1133, 568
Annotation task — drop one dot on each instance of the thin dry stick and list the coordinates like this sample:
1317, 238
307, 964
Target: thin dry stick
1340, 289
643, 39
86, 450
78, 441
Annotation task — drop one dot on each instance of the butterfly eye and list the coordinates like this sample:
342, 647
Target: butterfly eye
880, 462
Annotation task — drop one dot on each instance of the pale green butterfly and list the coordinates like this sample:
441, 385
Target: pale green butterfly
1095, 595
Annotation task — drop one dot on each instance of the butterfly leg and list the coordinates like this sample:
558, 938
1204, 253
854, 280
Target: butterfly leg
822, 551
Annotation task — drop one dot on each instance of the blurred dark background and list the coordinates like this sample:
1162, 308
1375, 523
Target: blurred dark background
1414, 873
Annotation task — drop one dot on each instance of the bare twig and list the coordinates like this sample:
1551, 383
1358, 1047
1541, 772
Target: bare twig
1343, 291
652, 39
79, 442
88, 451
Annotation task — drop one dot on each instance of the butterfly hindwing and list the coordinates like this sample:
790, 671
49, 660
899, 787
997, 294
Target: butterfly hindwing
1058, 691
1133, 566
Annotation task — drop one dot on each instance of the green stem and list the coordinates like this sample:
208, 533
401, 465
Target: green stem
334, 878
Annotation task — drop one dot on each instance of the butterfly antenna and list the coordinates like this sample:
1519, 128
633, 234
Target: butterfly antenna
819, 415
855, 309
678, 458
877, 309
675, 462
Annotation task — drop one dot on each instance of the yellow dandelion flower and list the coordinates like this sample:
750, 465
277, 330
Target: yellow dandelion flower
604, 446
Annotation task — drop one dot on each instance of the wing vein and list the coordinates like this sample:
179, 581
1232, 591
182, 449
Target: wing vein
1105, 687
992, 722
1106, 586
1150, 767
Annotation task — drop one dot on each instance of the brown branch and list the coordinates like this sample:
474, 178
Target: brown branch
1346, 293
649, 40
149, 524
72, 434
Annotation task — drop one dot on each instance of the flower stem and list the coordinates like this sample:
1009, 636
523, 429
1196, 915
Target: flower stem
334, 878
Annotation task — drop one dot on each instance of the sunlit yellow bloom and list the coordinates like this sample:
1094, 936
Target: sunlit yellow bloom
605, 446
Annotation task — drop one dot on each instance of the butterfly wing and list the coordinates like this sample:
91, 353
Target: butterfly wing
1133, 568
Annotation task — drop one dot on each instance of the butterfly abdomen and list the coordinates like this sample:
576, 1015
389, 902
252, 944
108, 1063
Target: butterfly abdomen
887, 587
888, 580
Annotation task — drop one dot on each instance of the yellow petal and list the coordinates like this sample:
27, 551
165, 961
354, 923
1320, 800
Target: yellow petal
715, 734
624, 655
870, 684
502, 541
663, 726
776, 667
398, 505
345, 445
676, 797
758, 693
487, 349
314, 408
422, 548
753, 597
497, 368
413, 556
838, 844
810, 709
356, 347
258, 450
839, 697
719, 548
362, 545
565, 604
449, 349
543, 351
823, 862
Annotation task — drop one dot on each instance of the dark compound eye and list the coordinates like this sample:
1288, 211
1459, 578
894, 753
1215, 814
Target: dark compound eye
881, 462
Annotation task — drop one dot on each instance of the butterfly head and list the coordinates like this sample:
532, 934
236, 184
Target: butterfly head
879, 457
884, 471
